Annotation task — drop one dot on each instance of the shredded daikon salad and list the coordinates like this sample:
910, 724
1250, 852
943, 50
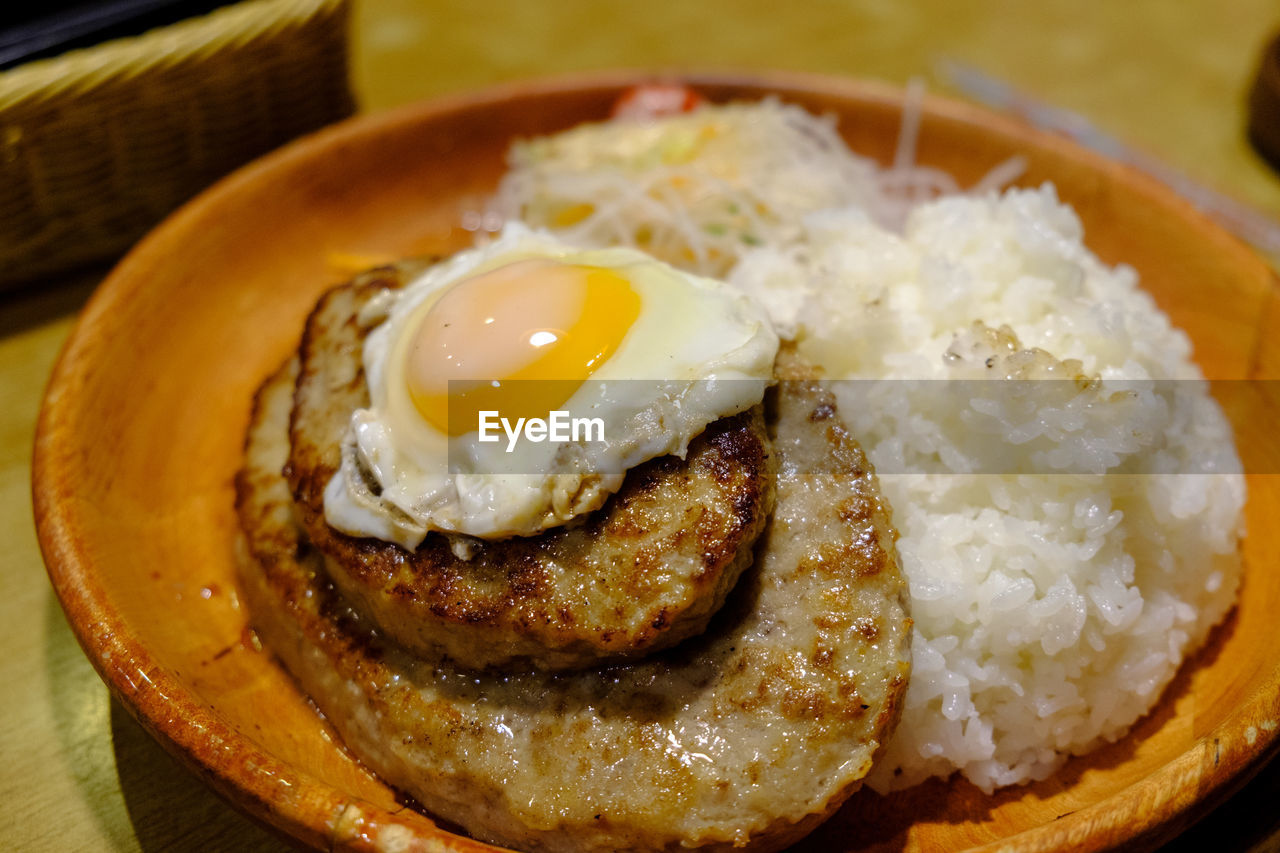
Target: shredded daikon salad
700, 188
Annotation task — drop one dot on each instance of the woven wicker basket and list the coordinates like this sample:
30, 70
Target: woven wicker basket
99, 144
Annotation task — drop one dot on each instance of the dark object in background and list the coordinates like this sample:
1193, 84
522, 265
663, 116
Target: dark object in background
38, 31
97, 145
1264, 105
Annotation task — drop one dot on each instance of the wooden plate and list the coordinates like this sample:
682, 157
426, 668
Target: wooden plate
141, 432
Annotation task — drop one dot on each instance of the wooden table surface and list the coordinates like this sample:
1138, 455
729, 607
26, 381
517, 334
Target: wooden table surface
77, 773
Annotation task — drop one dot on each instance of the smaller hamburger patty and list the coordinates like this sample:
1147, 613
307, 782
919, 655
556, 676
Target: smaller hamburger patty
645, 571
750, 734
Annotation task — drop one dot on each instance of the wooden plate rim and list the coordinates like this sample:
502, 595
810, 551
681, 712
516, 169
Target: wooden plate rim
1147, 812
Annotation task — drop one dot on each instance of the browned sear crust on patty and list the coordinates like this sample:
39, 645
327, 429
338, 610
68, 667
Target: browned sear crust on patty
642, 573
748, 735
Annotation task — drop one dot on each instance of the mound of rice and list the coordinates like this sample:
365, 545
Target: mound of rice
1062, 560
1051, 608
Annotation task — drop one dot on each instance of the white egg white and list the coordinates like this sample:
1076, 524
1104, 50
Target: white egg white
698, 351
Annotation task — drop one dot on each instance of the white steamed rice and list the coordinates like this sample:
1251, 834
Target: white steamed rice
1051, 609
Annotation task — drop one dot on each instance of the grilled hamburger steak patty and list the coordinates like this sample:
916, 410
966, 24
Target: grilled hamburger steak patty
751, 733
645, 571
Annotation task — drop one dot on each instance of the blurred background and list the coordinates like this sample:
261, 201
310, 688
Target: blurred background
1170, 81
1169, 78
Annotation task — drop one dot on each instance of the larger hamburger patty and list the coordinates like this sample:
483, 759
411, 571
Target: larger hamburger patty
749, 734
647, 570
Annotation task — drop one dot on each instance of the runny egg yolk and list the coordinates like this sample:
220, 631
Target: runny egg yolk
519, 340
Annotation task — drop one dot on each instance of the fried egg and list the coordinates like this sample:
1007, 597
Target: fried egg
512, 386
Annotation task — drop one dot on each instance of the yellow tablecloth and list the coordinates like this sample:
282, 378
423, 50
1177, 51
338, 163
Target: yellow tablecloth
77, 773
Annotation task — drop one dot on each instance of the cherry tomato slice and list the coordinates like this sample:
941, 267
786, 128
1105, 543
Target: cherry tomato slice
653, 100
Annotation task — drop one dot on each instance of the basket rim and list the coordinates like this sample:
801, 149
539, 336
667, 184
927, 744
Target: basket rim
227, 28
